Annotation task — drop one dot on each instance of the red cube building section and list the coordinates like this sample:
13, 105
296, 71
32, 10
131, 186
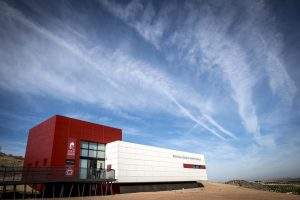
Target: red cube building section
59, 142
40, 144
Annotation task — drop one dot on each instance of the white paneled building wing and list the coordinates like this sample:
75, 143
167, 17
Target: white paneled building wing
135, 163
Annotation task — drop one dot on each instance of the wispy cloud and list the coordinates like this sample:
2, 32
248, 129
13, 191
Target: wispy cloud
88, 117
208, 77
202, 38
149, 22
192, 35
141, 85
250, 162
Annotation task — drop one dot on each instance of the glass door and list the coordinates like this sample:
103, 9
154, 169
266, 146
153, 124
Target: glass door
92, 160
83, 170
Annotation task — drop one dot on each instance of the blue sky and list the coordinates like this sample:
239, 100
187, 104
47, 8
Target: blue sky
214, 77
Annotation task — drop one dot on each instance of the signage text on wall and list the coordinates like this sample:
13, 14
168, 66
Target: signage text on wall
186, 157
71, 148
69, 170
70, 160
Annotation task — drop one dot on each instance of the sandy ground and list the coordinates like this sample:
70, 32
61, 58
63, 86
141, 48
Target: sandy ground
210, 191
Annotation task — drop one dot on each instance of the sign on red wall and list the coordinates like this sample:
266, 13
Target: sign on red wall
69, 170
71, 148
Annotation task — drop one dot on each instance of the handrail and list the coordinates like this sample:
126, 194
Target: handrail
49, 174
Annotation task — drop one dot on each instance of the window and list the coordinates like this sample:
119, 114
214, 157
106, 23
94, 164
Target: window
100, 164
36, 163
92, 153
192, 166
83, 168
101, 147
92, 150
92, 158
93, 146
84, 152
100, 154
84, 145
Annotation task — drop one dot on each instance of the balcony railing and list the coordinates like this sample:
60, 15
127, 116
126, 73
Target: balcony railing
50, 174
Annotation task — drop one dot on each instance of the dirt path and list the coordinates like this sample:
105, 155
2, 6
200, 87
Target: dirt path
211, 191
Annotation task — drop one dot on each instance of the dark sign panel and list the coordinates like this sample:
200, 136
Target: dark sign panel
194, 166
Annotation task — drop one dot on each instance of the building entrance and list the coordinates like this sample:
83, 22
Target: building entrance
92, 160
94, 168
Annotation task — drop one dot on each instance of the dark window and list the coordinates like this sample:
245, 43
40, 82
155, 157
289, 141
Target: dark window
36, 163
192, 166
202, 167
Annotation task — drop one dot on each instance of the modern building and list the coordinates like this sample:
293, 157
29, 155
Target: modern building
75, 144
82, 149
136, 163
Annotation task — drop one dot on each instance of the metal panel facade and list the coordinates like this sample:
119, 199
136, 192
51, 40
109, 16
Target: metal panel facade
50, 140
142, 163
40, 144
53, 143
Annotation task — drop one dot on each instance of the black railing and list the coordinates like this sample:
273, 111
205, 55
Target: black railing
50, 174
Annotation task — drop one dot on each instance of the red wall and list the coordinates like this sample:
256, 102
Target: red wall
49, 140
40, 143
80, 130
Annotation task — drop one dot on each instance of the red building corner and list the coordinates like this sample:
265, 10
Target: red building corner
61, 141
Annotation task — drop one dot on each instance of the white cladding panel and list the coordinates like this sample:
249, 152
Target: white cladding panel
142, 163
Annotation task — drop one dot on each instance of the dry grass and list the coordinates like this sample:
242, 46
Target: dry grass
211, 191
274, 186
10, 160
